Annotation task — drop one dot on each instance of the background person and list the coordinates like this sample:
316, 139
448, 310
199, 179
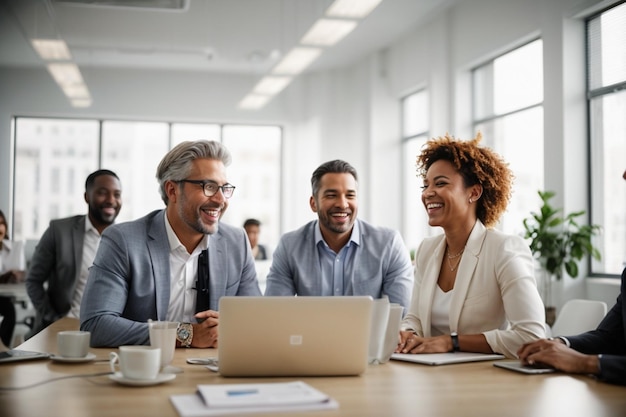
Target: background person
58, 271
173, 264
338, 254
253, 229
474, 288
600, 352
12, 270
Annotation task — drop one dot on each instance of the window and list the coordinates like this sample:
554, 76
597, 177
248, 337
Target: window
47, 151
508, 111
606, 73
54, 157
256, 174
187, 131
414, 134
133, 150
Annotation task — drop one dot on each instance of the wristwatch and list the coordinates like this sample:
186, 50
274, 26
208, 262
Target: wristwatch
455, 342
184, 334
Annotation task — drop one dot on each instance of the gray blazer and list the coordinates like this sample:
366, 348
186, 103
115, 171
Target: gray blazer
129, 281
56, 260
382, 265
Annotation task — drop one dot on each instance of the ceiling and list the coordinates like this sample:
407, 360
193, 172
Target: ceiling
224, 36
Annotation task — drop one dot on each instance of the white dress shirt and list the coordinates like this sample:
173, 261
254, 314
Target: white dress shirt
12, 256
183, 272
90, 247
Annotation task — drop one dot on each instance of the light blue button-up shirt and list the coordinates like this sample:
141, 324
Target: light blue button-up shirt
336, 268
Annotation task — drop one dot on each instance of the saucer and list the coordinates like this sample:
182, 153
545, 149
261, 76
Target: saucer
56, 358
118, 377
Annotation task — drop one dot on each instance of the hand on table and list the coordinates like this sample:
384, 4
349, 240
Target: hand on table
12, 276
411, 343
556, 354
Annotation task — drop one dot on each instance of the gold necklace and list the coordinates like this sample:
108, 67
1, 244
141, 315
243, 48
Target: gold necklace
453, 267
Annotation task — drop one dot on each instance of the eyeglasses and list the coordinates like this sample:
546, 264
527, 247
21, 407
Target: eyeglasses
210, 188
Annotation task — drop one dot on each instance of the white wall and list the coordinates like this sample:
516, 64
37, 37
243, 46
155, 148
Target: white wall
352, 113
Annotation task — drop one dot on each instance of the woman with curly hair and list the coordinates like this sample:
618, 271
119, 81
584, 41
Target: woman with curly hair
474, 287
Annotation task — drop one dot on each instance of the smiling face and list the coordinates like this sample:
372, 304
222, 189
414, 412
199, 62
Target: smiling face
253, 232
336, 204
104, 199
191, 213
446, 198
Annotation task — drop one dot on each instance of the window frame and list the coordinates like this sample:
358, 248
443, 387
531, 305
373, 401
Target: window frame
99, 158
590, 95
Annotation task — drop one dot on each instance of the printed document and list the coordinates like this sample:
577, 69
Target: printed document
211, 400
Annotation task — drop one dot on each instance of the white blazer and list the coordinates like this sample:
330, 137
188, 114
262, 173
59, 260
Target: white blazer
495, 292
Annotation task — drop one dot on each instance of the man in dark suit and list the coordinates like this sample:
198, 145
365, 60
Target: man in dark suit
600, 352
172, 264
66, 251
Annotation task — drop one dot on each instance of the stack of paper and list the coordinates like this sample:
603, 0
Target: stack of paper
215, 400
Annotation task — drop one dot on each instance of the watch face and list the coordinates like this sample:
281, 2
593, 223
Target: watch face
183, 333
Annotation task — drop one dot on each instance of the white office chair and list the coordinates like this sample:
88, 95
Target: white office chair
578, 316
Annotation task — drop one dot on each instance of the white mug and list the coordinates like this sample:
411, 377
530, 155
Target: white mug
163, 335
392, 333
380, 318
137, 362
73, 343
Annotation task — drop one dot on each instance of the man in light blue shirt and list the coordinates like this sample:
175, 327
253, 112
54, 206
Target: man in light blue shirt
338, 254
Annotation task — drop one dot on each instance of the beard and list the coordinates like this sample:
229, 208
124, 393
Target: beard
327, 221
100, 217
192, 218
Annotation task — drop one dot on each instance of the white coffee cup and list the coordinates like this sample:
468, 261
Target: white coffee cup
137, 362
73, 343
392, 333
163, 335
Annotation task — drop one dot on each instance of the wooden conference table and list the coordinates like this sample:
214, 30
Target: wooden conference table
391, 389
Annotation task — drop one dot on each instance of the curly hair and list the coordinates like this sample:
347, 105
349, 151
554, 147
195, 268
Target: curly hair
477, 165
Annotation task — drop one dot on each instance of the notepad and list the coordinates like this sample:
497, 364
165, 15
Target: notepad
445, 358
222, 399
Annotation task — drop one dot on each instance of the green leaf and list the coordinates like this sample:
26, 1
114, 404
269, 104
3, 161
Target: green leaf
572, 268
558, 241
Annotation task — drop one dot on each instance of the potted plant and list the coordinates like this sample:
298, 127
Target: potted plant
558, 242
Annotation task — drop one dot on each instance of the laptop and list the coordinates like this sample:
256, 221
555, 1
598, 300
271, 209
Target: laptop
517, 366
294, 336
14, 355
445, 358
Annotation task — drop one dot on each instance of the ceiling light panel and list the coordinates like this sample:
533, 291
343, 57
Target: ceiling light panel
173, 5
271, 85
297, 60
65, 73
355, 9
76, 91
327, 32
253, 101
52, 49
81, 102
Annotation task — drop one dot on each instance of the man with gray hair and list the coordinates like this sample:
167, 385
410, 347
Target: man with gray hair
173, 264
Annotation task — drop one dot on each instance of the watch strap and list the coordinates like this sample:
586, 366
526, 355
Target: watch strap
455, 342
